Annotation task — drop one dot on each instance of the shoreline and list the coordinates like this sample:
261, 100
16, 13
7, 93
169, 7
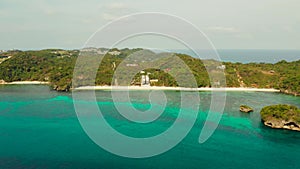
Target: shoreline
241, 89
174, 88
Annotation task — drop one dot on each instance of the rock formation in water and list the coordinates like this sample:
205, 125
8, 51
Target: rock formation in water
281, 116
245, 109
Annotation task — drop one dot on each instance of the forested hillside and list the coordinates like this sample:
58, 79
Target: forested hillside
56, 66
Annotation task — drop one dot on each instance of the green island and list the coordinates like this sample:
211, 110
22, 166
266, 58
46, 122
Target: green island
281, 116
56, 67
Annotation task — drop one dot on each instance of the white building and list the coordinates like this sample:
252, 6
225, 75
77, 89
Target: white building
114, 53
222, 67
145, 80
3, 51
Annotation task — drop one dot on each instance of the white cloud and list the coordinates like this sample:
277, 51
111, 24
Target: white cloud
116, 6
50, 12
109, 17
115, 10
246, 36
221, 29
287, 28
2, 13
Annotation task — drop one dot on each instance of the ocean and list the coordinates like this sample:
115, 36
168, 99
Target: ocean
39, 129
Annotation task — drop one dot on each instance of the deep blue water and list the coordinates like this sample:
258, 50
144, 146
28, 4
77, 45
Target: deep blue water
39, 129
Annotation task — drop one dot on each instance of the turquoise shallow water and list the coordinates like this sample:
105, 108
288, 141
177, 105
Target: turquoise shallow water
39, 129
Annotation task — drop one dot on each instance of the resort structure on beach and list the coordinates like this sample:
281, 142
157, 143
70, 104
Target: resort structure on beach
145, 80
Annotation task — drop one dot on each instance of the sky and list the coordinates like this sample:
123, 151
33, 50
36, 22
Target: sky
230, 24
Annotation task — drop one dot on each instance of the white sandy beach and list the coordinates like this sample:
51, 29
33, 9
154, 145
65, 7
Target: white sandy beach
174, 88
150, 87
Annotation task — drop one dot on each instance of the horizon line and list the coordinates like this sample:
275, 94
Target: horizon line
58, 48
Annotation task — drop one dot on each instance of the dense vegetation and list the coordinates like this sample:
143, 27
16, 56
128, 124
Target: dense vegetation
281, 112
282, 75
56, 66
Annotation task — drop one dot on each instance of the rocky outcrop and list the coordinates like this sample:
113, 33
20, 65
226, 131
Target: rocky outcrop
2, 81
62, 88
289, 92
245, 109
278, 124
281, 117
